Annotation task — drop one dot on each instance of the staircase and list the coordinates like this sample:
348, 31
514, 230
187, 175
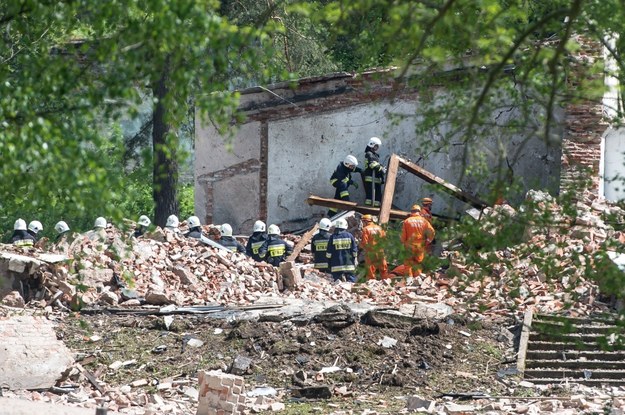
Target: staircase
556, 349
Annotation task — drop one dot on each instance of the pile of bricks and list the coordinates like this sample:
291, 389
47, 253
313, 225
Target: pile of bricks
165, 268
220, 393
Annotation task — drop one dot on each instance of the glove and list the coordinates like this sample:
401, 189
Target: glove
383, 169
355, 184
355, 262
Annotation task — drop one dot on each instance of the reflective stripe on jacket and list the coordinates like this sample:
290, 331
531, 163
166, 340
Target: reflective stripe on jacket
254, 243
319, 247
342, 251
274, 250
374, 171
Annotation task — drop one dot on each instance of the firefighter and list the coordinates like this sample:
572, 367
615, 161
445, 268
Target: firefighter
342, 253
142, 226
33, 229
426, 212
256, 240
172, 224
195, 228
62, 230
373, 173
372, 233
416, 234
426, 208
98, 233
228, 241
20, 236
274, 250
342, 178
319, 245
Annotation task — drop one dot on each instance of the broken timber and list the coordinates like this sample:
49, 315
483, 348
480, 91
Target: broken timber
344, 205
389, 189
302, 243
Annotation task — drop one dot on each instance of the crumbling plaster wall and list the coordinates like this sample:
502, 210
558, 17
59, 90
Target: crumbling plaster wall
290, 146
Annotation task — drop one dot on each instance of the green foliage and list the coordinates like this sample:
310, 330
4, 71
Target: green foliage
70, 68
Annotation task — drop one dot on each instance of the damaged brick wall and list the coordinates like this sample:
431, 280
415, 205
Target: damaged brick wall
585, 124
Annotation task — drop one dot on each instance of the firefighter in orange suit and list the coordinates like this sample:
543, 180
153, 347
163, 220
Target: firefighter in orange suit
374, 254
426, 208
426, 212
416, 234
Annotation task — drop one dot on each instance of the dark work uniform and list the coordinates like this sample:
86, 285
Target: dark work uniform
195, 233
254, 243
274, 250
341, 179
232, 244
373, 177
33, 234
319, 246
342, 252
22, 238
139, 231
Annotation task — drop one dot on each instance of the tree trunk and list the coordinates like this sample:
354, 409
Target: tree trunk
164, 144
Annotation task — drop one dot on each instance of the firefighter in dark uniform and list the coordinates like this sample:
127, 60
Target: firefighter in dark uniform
342, 253
373, 173
274, 250
256, 240
195, 228
341, 179
20, 236
142, 226
228, 241
319, 245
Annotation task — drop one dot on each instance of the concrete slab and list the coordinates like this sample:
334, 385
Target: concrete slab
12, 406
31, 355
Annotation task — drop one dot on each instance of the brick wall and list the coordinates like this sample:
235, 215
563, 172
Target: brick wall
584, 126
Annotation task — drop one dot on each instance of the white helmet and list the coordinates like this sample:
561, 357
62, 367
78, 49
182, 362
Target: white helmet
325, 224
273, 230
100, 223
144, 220
259, 226
193, 222
20, 225
350, 161
374, 141
35, 226
226, 230
340, 224
61, 227
172, 221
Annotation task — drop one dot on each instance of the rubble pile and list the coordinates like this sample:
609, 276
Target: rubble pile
166, 268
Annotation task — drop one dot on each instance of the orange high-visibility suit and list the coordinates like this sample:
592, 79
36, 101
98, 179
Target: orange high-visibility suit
416, 234
374, 254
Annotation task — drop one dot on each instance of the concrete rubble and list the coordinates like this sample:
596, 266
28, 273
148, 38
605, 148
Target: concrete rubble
165, 272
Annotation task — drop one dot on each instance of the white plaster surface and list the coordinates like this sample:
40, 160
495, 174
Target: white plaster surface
614, 164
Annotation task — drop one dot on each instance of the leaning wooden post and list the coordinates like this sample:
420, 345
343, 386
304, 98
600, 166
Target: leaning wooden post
389, 190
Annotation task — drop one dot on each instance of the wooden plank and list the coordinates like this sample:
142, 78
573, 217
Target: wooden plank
431, 178
525, 335
389, 190
302, 243
91, 378
343, 205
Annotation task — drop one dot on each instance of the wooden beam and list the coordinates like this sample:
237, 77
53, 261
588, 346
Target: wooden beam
343, 205
389, 189
302, 243
431, 178
525, 336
